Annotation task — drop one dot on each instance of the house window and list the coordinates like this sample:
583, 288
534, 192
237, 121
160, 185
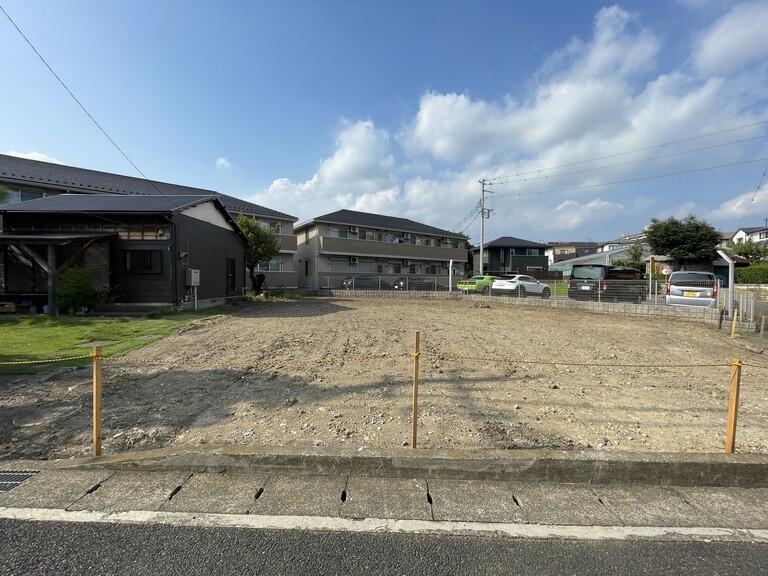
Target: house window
532, 252
143, 261
501, 256
231, 275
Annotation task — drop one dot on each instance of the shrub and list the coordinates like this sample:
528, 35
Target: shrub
75, 290
757, 274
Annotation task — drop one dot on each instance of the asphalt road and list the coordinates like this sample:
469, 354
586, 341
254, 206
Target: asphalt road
30, 547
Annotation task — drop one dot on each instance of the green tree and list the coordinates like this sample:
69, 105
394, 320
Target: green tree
4, 193
263, 245
682, 239
755, 252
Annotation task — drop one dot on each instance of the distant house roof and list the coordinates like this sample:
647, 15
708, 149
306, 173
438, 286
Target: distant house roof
574, 244
597, 258
353, 218
83, 181
512, 242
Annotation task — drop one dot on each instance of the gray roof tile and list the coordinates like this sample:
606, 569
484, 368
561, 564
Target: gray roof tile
81, 180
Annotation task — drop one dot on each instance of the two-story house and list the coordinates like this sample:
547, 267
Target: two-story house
510, 255
755, 233
346, 243
25, 179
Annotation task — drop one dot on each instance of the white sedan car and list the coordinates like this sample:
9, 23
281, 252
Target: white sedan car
520, 286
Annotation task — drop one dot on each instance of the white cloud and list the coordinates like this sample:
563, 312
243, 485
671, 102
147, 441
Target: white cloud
595, 98
752, 206
358, 176
571, 214
223, 164
39, 156
736, 39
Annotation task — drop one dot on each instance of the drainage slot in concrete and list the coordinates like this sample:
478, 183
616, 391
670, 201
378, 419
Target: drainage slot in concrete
258, 494
174, 492
93, 489
516, 501
344, 495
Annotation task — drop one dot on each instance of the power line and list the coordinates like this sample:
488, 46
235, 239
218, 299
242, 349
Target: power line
632, 179
751, 200
631, 161
492, 180
462, 222
80, 104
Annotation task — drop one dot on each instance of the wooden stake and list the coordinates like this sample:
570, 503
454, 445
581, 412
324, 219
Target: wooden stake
415, 416
733, 322
97, 360
762, 326
733, 405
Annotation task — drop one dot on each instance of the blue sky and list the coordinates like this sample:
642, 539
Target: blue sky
588, 118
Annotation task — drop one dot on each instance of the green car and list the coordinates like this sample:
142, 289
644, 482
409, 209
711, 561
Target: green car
480, 284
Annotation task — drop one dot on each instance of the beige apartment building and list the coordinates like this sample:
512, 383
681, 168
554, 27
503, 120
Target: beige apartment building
346, 243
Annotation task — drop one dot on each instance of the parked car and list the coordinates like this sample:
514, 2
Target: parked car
417, 283
480, 284
519, 285
692, 288
366, 283
605, 283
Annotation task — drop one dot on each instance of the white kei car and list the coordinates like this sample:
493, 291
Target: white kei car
519, 285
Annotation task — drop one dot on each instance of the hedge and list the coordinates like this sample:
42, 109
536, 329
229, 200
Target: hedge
757, 274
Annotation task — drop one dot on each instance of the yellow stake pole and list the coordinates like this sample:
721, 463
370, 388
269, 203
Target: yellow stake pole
733, 322
97, 360
733, 405
415, 391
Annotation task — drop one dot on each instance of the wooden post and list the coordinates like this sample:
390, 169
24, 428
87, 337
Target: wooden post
733, 322
97, 360
733, 405
762, 326
415, 416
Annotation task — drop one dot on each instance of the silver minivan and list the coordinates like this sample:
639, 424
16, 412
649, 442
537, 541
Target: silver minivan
692, 288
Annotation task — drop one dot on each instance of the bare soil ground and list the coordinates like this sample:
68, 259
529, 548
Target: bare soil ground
339, 372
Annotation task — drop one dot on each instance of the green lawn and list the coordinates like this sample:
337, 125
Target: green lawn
39, 338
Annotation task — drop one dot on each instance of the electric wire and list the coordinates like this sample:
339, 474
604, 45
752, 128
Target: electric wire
627, 152
82, 107
629, 180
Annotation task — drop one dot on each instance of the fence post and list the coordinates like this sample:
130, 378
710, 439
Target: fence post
762, 326
733, 405
733, 322
97, 360
415, 415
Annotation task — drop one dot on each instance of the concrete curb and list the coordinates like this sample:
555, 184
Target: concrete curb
680, 469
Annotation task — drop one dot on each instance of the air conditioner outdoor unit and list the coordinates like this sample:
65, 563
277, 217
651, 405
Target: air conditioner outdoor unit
406, 262
353, 259
353, 229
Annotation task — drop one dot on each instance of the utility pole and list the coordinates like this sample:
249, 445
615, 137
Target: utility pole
483, 215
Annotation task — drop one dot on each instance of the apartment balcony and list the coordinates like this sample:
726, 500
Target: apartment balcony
374, 249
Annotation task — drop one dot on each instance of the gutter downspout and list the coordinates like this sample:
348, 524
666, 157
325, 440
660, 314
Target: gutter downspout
731, 280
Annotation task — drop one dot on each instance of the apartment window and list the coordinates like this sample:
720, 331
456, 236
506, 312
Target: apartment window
276, 227
336, 232
143, 261
274, 265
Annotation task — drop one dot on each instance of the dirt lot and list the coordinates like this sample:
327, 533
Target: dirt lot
338, 372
